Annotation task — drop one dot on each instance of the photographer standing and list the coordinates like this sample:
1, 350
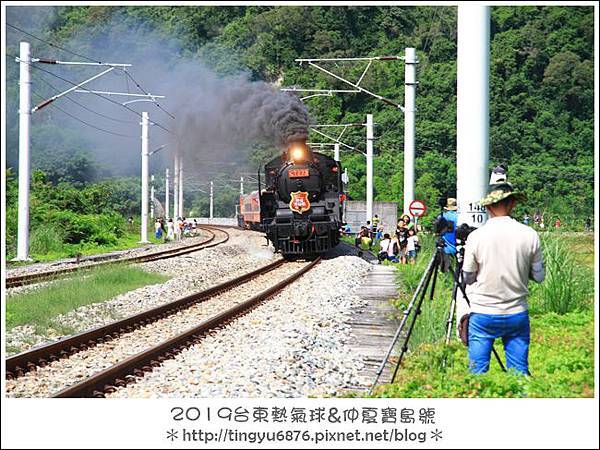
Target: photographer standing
500, 258
449, 235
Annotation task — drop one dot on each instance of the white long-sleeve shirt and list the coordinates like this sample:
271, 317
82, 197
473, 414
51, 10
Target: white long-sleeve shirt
500, 258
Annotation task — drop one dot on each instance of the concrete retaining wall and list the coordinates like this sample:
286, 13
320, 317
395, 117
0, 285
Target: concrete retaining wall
356, 214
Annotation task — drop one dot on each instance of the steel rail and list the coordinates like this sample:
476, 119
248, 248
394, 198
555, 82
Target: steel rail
18, 365
23, 280
125, 372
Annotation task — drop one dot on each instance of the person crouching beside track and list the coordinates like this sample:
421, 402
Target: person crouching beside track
500, 258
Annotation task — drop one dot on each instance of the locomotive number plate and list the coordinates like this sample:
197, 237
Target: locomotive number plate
298, 173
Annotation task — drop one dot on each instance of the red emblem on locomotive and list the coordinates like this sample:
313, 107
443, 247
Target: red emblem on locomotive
299, 202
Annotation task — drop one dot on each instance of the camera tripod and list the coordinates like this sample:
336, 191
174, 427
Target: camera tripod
430, 276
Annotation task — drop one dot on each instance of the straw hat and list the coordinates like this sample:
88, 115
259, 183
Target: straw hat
450, 204
500, 191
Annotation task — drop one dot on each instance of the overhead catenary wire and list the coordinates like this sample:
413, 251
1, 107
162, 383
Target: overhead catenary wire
145, 92
95, 93
83, 121
81, 105
52, 44
92, 60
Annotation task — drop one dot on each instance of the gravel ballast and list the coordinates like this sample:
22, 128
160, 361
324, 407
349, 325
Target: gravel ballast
295, 345
48, 380
191, 273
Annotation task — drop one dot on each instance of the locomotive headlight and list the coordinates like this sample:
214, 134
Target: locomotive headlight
297, 154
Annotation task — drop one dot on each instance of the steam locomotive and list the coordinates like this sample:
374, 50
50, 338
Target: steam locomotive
301, 203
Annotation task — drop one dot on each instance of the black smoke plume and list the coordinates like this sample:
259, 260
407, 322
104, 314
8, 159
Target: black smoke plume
235, 111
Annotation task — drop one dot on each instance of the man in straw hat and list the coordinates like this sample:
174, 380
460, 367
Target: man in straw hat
500, 258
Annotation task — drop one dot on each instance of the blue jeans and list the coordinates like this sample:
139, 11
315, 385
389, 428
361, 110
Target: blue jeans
514, 331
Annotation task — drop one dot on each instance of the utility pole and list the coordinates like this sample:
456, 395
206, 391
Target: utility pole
472, 112
369, 166
25, 112
241, 185
368, 155
472, 118
145, 156
410, 88
152, 196
24, 161
210, 216
167, 212
146, 97
176, 185
336, 152
410, 82
180, 214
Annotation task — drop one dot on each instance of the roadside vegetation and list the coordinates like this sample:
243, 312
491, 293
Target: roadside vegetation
70, 219
39, 307
541, 104
562, 332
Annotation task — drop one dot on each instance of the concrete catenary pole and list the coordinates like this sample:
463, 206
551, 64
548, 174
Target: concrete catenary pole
24, 162
336, 152
176, 187
152, 197
410, 89
369, 167
180, 213
242, 185
472, 112
145, 157
167, 212
210, 214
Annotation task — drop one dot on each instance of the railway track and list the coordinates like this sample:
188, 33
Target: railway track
212, 241
134, 366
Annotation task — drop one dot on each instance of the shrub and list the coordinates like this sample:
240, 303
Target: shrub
45, 239
566, 287
102, 229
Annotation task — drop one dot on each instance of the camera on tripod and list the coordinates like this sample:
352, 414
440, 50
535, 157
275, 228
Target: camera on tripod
441, 226
463, 231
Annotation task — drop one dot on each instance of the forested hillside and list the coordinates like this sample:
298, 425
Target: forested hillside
542, 75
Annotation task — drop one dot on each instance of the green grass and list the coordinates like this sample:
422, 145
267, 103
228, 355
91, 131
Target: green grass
561, 362
569, 283
562, 332
46, 245
41, 306
430, 326
581, 246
